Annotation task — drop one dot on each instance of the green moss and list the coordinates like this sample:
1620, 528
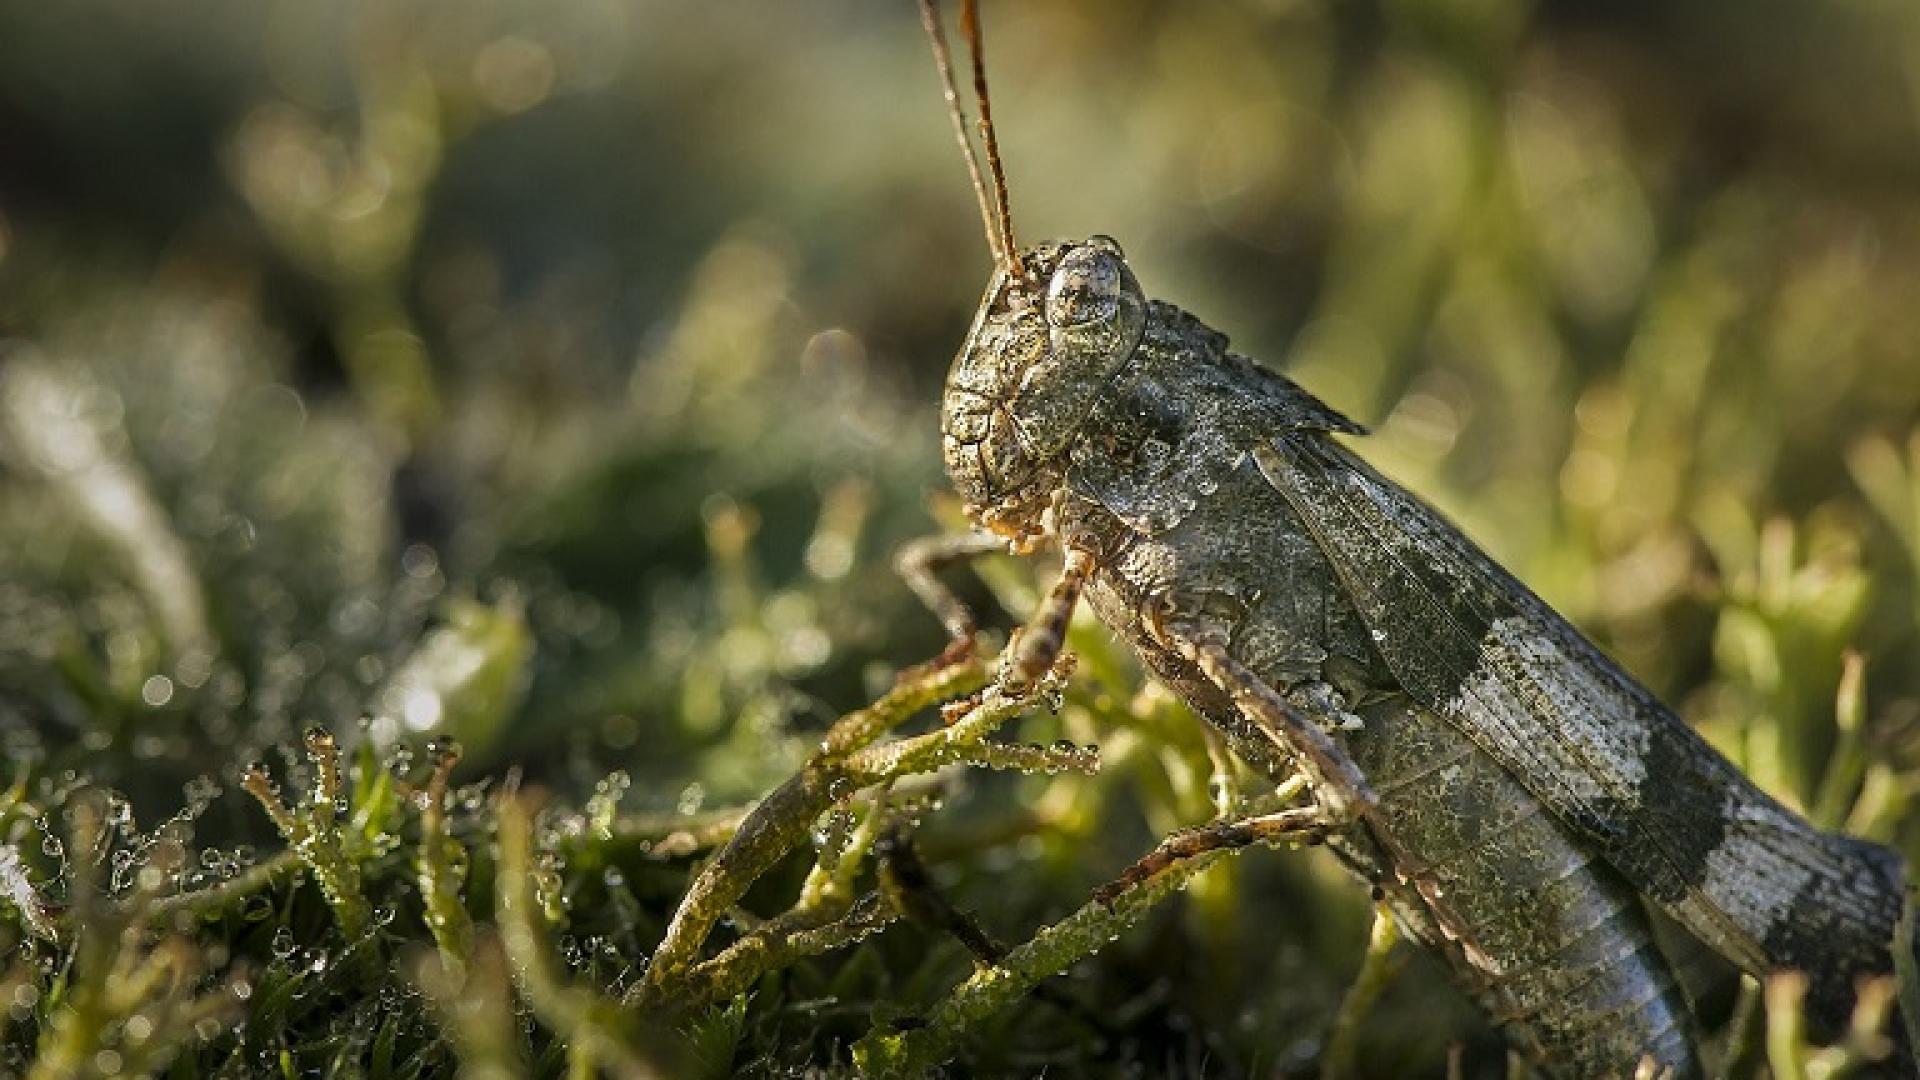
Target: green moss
559, 382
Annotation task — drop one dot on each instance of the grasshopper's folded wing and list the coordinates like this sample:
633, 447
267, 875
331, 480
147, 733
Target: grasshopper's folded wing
1755, 881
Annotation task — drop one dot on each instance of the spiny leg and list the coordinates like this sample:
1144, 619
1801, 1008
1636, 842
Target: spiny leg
919, 562
1341, 792
1039, 642
1308, 824
1338, 785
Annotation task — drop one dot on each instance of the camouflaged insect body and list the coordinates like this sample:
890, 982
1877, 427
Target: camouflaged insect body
1532, 798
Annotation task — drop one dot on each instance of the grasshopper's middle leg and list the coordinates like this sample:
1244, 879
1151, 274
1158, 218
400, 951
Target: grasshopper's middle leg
1339, 786
1037, 645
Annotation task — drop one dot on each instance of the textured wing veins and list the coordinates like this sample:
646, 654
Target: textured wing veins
1609, 761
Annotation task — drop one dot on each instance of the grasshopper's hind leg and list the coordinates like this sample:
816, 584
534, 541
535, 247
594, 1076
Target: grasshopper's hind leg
1303, 824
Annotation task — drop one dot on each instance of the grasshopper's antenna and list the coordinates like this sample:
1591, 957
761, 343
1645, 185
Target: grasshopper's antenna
998, 229
977, 46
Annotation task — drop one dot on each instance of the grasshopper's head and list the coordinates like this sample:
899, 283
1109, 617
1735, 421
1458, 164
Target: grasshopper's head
1049, 336
1057, 322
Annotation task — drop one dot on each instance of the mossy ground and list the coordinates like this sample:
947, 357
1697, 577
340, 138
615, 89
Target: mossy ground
450, 459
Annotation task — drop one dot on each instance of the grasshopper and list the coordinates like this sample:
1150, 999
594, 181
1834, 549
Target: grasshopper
1520, 801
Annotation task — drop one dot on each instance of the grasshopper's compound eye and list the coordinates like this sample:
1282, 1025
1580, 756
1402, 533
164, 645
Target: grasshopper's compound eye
1086, 288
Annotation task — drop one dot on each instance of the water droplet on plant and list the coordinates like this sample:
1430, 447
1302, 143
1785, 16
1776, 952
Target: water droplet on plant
1219, 789
691, 798
200, 793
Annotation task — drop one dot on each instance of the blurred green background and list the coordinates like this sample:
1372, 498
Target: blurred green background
561, 377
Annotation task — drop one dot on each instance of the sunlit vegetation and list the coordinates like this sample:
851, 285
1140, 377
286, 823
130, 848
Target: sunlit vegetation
451, 457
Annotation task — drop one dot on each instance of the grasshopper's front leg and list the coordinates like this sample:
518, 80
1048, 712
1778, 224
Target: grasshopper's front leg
918, 562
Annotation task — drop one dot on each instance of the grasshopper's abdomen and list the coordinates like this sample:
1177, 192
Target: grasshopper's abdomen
1554, 944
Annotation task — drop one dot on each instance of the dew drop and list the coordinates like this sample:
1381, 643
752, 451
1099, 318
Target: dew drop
1219, 790
692, 797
